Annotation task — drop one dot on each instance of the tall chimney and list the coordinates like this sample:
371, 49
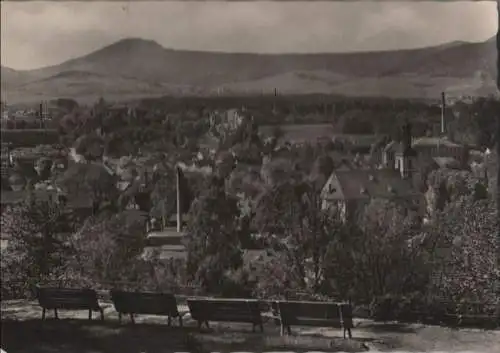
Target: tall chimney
41, 114
179, 211
443, 111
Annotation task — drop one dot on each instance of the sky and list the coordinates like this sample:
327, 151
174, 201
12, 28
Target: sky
37, 34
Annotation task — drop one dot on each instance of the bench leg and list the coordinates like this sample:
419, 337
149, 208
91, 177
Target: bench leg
120, 318
55, 314
90, 314
289, 330
261, 327
206, 324
169, 321
132, 318
199, 324
101, 311
253, 327
43, 313
180, 321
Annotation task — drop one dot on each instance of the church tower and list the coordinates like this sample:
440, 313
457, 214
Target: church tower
405, 161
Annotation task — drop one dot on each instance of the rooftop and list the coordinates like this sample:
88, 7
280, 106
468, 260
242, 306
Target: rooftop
434, 141
366, 184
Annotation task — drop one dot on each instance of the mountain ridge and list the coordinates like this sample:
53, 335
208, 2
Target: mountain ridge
144, 67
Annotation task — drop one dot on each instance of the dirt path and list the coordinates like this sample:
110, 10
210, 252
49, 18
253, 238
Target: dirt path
23, 332
424, 338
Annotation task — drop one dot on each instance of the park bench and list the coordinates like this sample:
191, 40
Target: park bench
146, 303
478, 315
321, 314
51, 298
447, 313
414, 312
204, 310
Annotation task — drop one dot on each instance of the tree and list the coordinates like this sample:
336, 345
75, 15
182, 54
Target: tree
448, 185
213, 242
356, 122
466, 250
106, 247
373, 258
474, 123
492, 165
291, 214
91, 180
43, 168
67, 104
37, 250
90, 146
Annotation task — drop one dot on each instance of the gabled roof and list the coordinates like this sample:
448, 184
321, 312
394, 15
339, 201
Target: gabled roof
366, 184
392, 146
400, 148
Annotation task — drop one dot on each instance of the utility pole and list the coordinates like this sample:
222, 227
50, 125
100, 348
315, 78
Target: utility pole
443, 113
179, 208
41, 115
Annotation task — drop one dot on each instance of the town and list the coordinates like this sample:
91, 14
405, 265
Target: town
188, 196
249, 176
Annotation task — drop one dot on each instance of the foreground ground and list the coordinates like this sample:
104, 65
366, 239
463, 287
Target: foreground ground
23, 332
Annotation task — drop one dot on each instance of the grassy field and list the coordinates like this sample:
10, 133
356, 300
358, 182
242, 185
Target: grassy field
314, 132
300, 132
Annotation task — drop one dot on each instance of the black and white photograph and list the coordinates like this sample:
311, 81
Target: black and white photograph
250, 176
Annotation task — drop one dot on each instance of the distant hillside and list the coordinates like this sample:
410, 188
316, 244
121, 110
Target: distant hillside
137, 67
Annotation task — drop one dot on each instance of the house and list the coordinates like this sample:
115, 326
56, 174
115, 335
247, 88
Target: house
400, 155
440, 147
348, 189
435, 146
430, 153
